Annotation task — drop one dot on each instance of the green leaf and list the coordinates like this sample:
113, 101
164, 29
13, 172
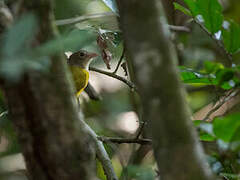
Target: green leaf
224, 75
211, 12
192, 7
231, 37
212, 67
182, 9
227, 128
206, 137
191, 76
197, 122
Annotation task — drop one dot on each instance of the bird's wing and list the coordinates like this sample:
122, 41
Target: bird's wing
92, 93
80, 77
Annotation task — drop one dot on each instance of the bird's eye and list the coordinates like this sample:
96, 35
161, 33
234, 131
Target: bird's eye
81, 54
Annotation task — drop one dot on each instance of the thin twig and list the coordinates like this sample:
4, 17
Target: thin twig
125, 140
129, 83
140, 129
120, 61
218, 42
220, 103
83, 18
179, 28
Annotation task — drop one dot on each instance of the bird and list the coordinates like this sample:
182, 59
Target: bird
78, 64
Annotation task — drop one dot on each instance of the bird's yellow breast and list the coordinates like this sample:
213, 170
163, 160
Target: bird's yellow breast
80, 78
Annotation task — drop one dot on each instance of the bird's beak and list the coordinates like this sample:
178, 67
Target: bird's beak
92, 55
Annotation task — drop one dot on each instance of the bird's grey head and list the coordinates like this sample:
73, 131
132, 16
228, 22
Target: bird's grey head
81, 58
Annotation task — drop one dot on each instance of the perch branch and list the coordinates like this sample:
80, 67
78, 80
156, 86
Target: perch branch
129, 83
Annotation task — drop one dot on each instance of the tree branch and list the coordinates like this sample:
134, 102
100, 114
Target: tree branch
83, 18
218, 42
179, 28
129, 83
125, 140
101, 154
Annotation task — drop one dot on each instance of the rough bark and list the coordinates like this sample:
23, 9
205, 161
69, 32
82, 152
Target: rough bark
176, 149
43, 110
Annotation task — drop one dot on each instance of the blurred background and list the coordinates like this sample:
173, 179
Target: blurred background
116, 115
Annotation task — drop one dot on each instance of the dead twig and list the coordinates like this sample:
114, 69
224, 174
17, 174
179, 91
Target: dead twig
220, 103
120, 61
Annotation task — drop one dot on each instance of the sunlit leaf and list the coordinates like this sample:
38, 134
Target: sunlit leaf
211, 12
206, 137
212, 67
227, 128
182, 9
191, 76
192, 7
207, 11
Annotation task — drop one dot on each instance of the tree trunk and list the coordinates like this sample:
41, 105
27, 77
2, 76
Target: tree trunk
43, 109
177, 151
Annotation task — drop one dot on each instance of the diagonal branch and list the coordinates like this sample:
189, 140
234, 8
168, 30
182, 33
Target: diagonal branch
129, 83
218, 42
